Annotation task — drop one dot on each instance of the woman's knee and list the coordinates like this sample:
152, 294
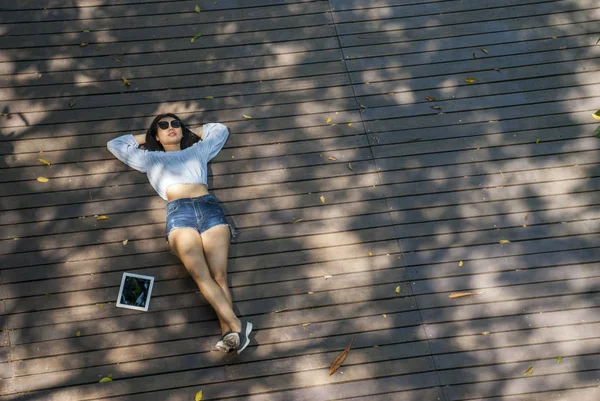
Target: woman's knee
221, 279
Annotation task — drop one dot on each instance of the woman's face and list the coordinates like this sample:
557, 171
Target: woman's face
169, 135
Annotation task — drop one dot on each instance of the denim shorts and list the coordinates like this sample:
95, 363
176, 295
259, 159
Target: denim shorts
201, 213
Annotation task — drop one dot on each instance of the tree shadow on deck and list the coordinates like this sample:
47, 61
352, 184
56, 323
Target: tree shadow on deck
269, 175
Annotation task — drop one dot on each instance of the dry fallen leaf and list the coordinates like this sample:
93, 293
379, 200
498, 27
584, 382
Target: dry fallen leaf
384, 316
44, 161
596, 115
436, 107
485, 333
72, 103
246, 116
209, 97
327, 276
78, 333
337, 362
42, 179
430, 99
504, 241
529, 371
526, 217
199, 393
362, 106
398, 290
322, 198
470, 80
370, 253
537, 141
349, 124
460, 294
197, 8
83, 44
102, 217
484, 50
125, 81
460, 263
328, 120
563, 48
350, 166
298, 221
196, 36
331, 158
305, 324
125, 242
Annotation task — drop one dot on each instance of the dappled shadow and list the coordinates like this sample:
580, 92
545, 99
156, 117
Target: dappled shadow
402, 206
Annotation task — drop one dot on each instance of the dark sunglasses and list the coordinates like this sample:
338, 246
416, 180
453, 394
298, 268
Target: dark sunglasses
165, 124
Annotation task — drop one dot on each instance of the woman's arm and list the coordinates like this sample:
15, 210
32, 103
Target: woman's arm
127, 149
214, 136
140, 138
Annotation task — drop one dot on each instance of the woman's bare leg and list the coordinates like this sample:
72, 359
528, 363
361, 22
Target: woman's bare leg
187, 244
216, 253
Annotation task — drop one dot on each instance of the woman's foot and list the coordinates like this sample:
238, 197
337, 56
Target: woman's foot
238, 340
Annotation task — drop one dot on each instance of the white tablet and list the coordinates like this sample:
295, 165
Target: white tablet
135, 292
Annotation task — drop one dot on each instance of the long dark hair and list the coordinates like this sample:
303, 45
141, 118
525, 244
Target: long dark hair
189, 138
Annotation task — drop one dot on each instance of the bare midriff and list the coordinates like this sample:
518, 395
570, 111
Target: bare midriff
179, 191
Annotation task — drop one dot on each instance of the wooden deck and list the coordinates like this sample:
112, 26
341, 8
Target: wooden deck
417, 194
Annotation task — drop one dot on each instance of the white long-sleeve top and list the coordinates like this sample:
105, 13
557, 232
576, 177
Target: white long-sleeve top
188, 166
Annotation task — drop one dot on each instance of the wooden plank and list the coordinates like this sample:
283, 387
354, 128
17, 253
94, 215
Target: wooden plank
181, 43
491, 116
410, 17
295, 364
130, 69
581, 27
522, 386
583, 394
519, 19
464, 103
516, 307
355, 10
173, 55
501, 53
158, 32
89, 11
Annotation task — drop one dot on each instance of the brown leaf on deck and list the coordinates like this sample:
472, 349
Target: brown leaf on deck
337, 362
529, 371
460, 294
430, 99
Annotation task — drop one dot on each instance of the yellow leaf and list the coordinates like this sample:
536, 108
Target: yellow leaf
554, 37
198, 396
460, 294
311, 292
322, 198
42, 179
125, 242
537, 141
484, 50
470, 80
125, 81
78, 333
350, 166
100, 306
370, 253
524, 225
362, 106
398, 290
504, 241
196, 36
460, 263
209, 97
328, 120
105, 380
349, 124
305, 324
529, 371
485, 333
44, 161
72, 103
596, 115
246, 116
384, 316
332, 158
83, 44
197, 8
559, 359
103, 217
